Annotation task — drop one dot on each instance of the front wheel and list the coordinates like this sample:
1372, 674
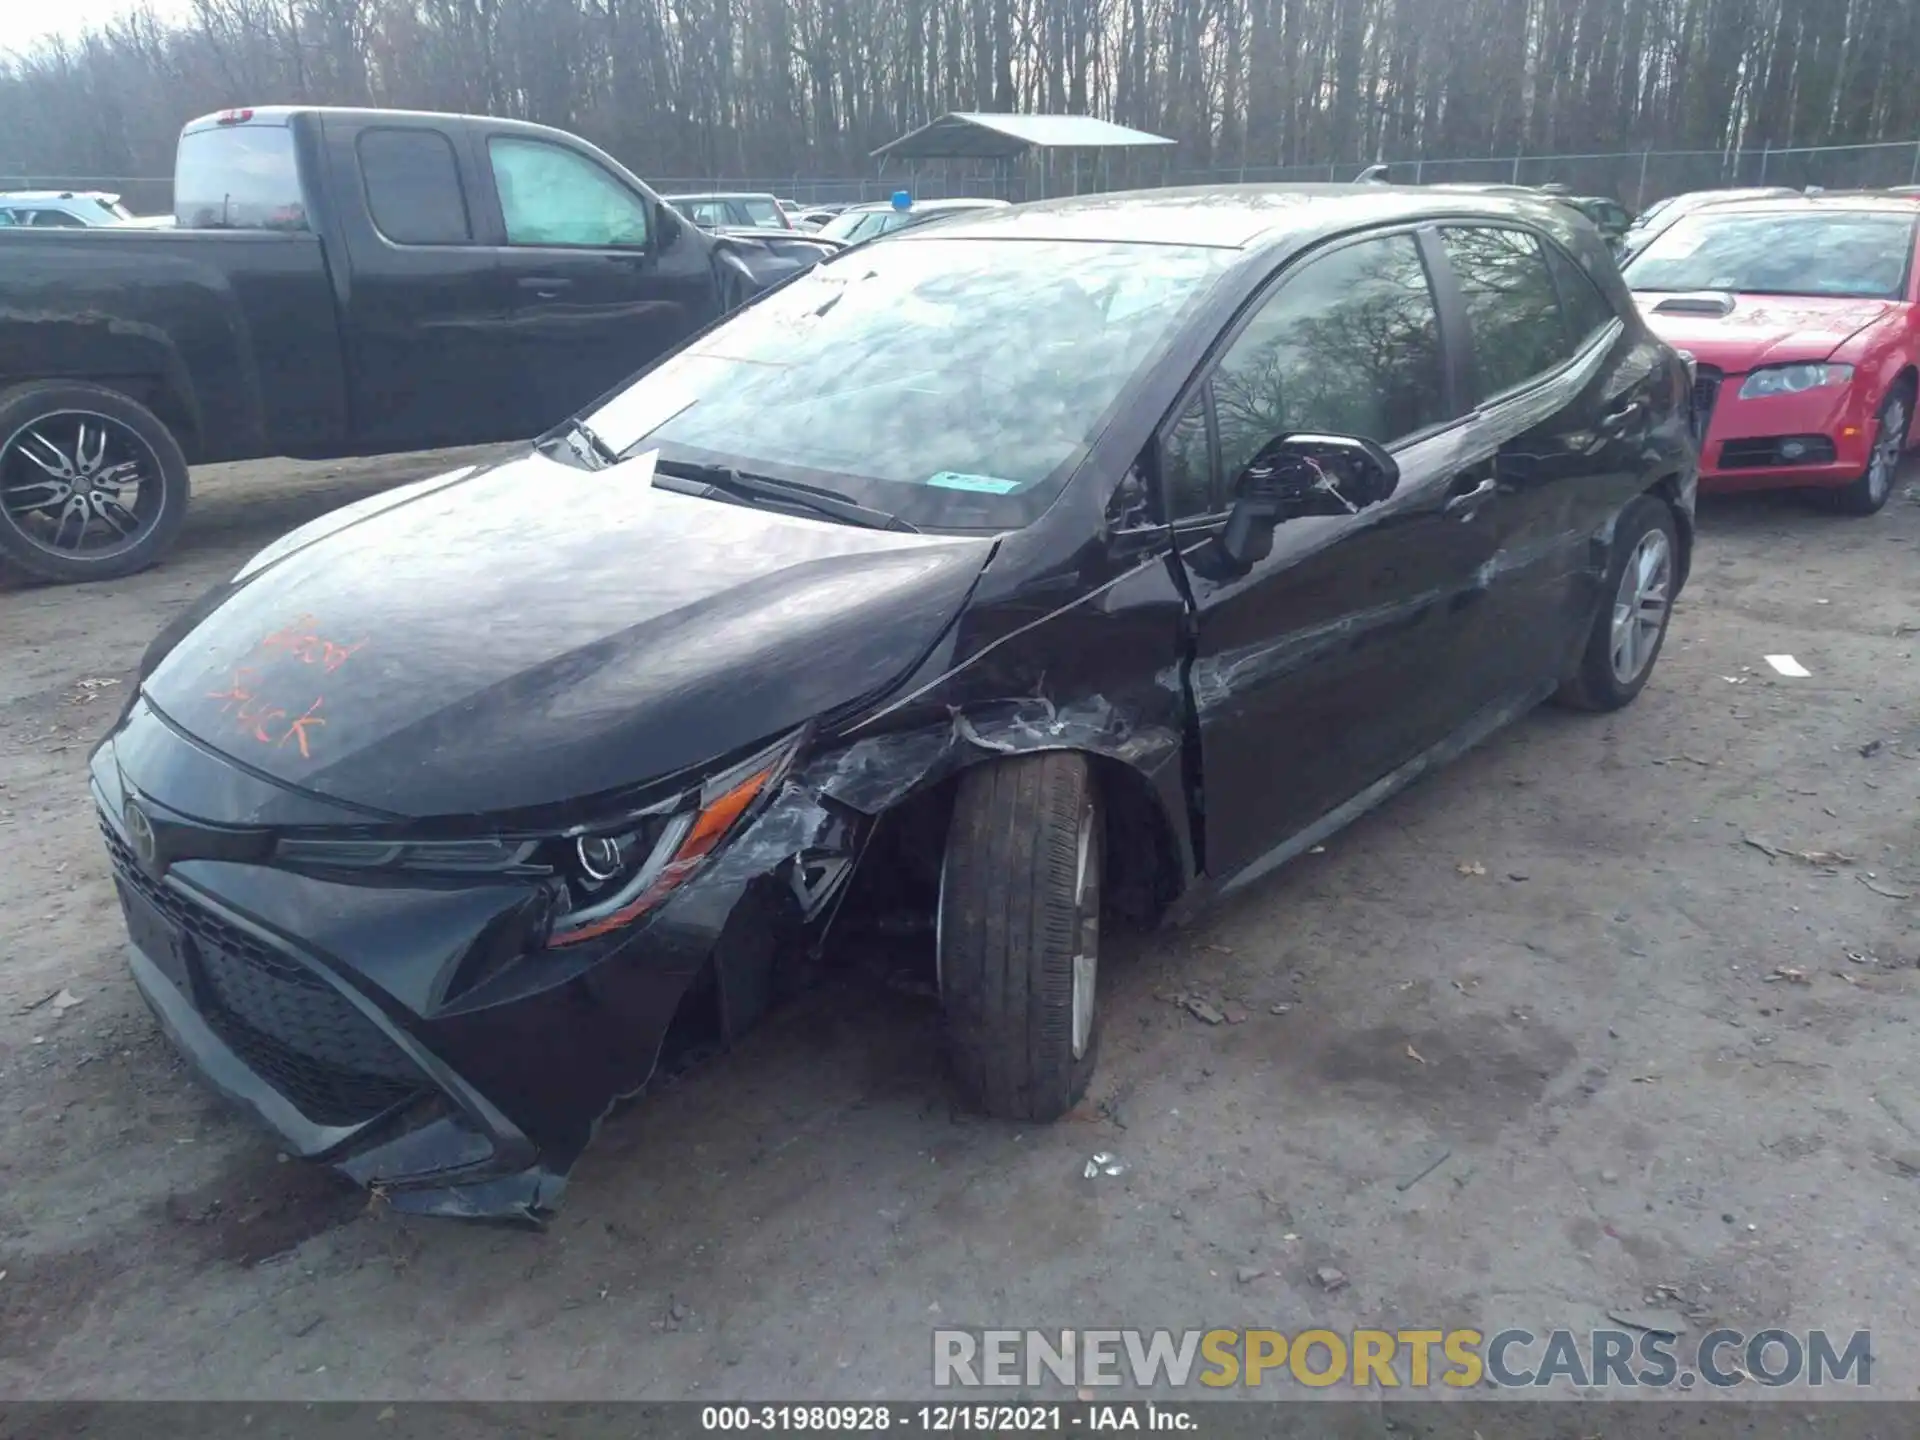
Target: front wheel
92, 485
1018, 934
1629, 630
1868, 494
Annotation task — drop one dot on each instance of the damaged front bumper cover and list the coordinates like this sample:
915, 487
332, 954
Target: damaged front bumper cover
478, 1107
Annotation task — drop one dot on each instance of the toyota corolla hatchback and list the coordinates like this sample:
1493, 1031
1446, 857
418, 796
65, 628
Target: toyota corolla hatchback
1801, 316
1044, 566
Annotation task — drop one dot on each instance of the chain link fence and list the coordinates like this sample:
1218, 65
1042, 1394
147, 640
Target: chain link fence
1636, 178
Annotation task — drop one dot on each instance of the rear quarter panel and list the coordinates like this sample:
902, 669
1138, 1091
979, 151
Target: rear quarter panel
229, 335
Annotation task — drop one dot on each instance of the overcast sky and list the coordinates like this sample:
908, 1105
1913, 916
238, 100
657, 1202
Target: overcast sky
22, 22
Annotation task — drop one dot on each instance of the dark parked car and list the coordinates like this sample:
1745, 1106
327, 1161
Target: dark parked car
1045, 566
340, 282
1608, 215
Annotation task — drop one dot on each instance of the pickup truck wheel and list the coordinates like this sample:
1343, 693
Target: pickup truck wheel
92, 485
1018, 934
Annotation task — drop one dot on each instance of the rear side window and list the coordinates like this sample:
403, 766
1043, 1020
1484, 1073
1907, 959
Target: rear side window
1585, 308
1513, 311
413, 187
238, 177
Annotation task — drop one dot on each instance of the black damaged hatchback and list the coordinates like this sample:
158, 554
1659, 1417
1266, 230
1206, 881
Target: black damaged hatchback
1075, 561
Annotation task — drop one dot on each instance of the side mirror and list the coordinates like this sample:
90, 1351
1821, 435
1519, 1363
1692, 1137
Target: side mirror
666, 225
1298, 475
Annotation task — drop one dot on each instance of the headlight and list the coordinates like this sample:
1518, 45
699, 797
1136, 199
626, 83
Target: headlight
615, 874
609, 874
1793, 379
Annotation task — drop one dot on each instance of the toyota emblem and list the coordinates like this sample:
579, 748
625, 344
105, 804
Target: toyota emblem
146, 848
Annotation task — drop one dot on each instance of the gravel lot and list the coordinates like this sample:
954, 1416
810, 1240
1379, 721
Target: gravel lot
1660, 1055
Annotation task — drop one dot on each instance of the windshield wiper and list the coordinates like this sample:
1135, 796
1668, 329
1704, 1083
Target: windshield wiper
748, 486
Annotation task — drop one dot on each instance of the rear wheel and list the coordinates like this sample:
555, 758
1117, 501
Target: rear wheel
1630, 628
92, 485
1019, 934
1866, 495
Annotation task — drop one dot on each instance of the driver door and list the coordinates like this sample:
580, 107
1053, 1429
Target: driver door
595, 289
1357, 644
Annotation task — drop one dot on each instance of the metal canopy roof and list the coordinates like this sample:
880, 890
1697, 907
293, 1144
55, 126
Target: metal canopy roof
965, 135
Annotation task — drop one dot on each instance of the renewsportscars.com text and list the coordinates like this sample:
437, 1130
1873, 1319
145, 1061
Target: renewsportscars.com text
1400, 1359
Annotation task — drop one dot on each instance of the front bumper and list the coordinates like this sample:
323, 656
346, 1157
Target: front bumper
402, 1031
1743, 448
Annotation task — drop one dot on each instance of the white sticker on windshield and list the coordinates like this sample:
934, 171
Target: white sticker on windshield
980, 484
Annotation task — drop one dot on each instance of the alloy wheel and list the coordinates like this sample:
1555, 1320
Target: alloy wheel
1640, 606
79, 485
1887, 443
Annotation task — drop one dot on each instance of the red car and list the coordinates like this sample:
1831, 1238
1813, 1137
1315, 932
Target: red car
1803, 317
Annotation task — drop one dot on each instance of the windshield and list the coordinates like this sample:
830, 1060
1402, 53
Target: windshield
852, 225
951, 382
1852, 255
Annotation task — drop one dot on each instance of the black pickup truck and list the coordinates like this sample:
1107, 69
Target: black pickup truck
338, 282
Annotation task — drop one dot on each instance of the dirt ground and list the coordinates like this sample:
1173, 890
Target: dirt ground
1658, 1054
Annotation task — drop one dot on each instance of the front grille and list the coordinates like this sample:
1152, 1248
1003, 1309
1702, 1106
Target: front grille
1770, 450
300, 1034
1706, 391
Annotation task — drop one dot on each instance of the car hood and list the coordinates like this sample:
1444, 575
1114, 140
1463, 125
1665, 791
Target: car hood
1763, 329
534, 633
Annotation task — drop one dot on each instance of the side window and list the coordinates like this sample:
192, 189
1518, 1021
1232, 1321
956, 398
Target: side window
57, 219
1586, 309
1186, 464
413, 187
552, 196
1513, 313
1348, 345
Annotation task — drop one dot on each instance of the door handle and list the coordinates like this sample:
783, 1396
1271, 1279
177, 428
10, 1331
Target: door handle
1466, 505
546, 287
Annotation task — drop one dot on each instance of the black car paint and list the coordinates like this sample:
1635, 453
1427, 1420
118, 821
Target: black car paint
1233, 719
336, 341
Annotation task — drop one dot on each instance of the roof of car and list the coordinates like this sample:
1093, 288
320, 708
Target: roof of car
1239, 217
1850, 202
724, 195
41, 197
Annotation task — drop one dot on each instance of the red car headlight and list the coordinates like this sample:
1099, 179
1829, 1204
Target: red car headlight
1793, 379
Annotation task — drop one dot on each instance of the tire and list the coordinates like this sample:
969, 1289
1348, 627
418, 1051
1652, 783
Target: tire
69, 452
1647, 540
1019, 901
1868, 494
